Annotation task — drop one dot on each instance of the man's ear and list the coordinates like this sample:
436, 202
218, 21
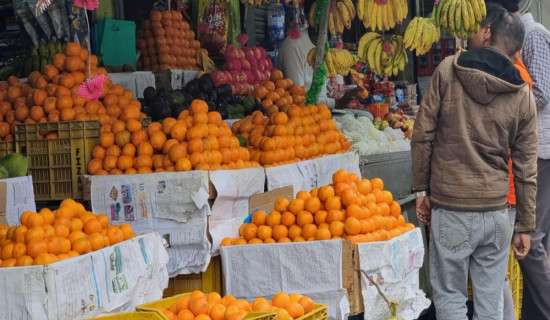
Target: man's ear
487, 36
516, 56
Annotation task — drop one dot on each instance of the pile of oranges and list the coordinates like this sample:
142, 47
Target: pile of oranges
198, 139
201, 306
278, 92
349, 208
167, 42
51, 96
298, 133
50, 236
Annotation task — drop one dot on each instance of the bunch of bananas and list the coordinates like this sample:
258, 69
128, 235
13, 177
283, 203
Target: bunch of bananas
387, 58
381, 14
342, 12
337, 61
460, 17
252, 2
38, 59
421, 34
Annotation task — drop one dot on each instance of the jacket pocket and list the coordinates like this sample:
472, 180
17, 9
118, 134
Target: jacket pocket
455, 230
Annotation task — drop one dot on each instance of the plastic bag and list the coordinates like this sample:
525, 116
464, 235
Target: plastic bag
43, 21
25, 18
213, 27
56, 17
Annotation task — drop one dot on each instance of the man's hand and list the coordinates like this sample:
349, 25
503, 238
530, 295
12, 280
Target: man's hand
424, 210
521, 243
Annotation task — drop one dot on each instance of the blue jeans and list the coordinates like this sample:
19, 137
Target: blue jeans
477, 243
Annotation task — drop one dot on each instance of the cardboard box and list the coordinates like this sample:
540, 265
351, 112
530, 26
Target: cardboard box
266, 201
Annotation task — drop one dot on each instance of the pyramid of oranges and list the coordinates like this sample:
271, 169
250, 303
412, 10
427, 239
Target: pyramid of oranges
51, 95
49, 236
277, 92
349, 208
201, 306
167, 42
198, 139
292, 135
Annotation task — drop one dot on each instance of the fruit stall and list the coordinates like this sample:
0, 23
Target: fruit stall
167, 167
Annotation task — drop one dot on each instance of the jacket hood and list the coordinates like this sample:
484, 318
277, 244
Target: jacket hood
485, 73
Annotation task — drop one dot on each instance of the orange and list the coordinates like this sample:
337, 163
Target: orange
304, 218
352, 226
34, 220
115, 235
323, 234
395, 209
96, 241
281, 204
364, 186
82, 246
126, 231
308, 231
34, 248
24, 261
106, 139
259, 218
280, 231
281, 300
7, 251
198, 305
34, 233
325, 193
183, 164
295, 310
92, 226
307, 303
296, 205
294, 231
333, 203
273, 218
377, 183
288, 219
199, 106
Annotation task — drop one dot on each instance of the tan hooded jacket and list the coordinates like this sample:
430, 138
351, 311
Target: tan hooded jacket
475, 110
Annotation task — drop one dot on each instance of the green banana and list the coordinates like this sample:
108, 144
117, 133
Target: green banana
465, 15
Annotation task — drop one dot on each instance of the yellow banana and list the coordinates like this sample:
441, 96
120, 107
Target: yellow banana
465, 14
477, 10
391, 16
374, 14
378, 58
351, 8
458, 15
360, 9
331, 27
371, 54
367, 14
363, 44
344, 14
311, 57
417, 36
410, 32
380, 17
445, 14
451, 17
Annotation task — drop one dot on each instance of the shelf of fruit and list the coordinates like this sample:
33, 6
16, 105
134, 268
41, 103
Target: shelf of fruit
49, 236
349, 208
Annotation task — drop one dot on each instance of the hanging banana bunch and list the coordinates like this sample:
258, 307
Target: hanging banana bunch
342, 12
387, 58
421, 34
381, 14
461, 18
337, 61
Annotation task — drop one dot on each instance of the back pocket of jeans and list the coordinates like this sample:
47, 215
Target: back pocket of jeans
455, 230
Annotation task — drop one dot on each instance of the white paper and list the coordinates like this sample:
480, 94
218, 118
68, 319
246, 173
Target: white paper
114, 279
234, 188
135, 81
328, 165
291, 175
173, 204
394, 265
265, 269
19, 198
22, 294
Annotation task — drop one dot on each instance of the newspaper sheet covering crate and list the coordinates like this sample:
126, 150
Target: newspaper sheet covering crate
16, 197
311, 268
230, 208
110, 280
395, 266
174, 204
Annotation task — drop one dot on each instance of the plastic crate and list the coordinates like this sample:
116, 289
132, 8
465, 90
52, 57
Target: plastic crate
6, 147
515, 278
207, 281
167, 302
132, 316
57, 166
319, 313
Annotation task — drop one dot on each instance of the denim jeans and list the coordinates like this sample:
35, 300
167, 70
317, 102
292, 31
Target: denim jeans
477, 243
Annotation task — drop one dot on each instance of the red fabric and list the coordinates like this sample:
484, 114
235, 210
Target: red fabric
511, 197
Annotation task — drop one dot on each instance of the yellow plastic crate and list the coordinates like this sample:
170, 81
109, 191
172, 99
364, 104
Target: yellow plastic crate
167, 302
319, 313
207, 281
515, 278
132, 316
6, 147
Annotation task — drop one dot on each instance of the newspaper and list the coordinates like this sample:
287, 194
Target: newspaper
19, 198
234, 188
311, 268
328, 165
135, 81
395, 266
173, 204
308, 174
114, 279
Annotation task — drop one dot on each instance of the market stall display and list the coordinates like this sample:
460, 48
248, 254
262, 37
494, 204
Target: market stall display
357, 210
49, 236
387, 57
277, 92
342, 12
461, 17
380, 14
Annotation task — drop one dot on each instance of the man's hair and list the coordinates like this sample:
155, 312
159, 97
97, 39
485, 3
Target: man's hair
494, 12
508, 33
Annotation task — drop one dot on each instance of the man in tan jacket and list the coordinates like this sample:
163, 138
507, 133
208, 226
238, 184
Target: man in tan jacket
475, 110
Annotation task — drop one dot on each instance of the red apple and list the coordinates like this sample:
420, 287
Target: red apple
245, 65
231, 52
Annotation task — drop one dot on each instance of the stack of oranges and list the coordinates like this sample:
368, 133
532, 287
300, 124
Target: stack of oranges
50, 236
167, 42
277, 92
296, 134
357, 210
201, 306
198, 139
51, 96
